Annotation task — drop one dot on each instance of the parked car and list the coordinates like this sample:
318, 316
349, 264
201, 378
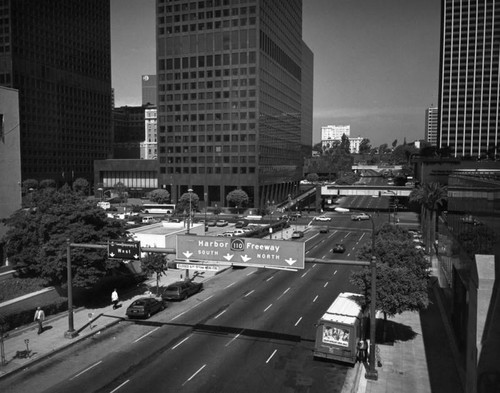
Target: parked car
180, 290
144, 307
241, 224
469, 219
339, 248
322, 218
324, 230
297, 234
238, 232
211, 223
221, 223
360, 217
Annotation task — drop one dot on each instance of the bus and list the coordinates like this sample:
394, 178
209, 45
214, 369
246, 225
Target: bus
159, 208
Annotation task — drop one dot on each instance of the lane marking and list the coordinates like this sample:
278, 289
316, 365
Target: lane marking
249, 293
335, 272
296, 323
218, 315
270, 357
194, 375
147, 334
270, 278
87, 369
304, 273
234, 338
285, 291
326, 283
176, 345
230, 285
268, 307
315, 298
118, 387
251, 273
196, 305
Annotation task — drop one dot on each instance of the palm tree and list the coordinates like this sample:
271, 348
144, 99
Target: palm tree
430, 196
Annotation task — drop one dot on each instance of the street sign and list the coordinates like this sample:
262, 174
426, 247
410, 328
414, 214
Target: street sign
278, 254
124, 250
212, 268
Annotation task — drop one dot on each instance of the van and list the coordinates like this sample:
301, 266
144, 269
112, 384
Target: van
148, 220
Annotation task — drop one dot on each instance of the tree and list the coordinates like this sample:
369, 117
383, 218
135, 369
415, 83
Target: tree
345, 144
312, 177
238, 198
48, 183
364, 146
81, 186
430, 196
394, 143
402, 273
36, 240
30, 185
188, 202
155, 263
159, 196
121, 191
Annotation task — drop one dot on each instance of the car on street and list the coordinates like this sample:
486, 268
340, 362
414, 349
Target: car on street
360, 217
323, 218
180, 290
324, 230
339, 248
211, 223
297, 234
241, 224
221, 223
144, 307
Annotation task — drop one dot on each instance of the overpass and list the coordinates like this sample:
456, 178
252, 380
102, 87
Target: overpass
375, 190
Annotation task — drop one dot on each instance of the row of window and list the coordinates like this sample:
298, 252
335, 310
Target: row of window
207, 170
208, 128
218, 60
208, 74
201, 4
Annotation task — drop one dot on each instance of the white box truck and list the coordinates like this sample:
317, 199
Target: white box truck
339, 330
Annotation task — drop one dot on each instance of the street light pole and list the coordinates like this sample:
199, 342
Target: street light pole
372, 373
71, 333
189, 219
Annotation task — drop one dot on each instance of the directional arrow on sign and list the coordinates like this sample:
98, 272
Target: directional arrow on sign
136, 256
228, 257
290, 261
245, 258
112, 255
187, 254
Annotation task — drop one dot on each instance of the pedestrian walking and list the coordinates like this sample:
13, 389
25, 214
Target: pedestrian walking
362, 347
39, 318
114, 299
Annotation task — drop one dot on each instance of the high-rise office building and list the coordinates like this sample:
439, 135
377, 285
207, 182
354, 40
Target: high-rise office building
233, 109
431, 125
56, 53
469, 77
149, 91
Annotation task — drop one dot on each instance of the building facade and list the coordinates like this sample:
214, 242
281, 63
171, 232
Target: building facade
431, 125
231, 109
129, 131
334, 132
149, 147
149, 91
57, 55
469, 77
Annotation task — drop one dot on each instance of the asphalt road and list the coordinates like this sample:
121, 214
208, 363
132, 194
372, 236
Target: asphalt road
249, 330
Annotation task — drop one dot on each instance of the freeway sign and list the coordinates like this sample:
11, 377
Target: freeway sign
124, 250
279, 254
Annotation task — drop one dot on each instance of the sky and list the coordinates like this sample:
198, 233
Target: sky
376, 62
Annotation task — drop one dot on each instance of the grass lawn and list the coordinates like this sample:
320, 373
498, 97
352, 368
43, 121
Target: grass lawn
15, 287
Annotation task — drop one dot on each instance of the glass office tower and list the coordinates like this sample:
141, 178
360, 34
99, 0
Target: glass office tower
230, 98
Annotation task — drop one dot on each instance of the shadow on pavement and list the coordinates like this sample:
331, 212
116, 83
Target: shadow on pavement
388, 332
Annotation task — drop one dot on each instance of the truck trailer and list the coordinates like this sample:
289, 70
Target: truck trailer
339, 330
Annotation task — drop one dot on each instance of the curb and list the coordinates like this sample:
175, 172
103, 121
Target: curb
60, 349
352, 379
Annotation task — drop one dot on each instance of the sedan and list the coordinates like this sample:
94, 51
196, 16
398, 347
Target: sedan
221, 223
324, 230
180, 290
144, 307
360, 217
297, 234
323, 218
339, 248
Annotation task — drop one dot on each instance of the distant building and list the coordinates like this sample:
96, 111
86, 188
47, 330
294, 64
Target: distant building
335, 132
129, 124
431, 125
469, 93
149, 90
149, 149
57, 55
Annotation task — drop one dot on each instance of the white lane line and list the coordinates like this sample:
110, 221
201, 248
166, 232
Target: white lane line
270, 278
218, 315
147, 334
270, 357
230, 285
249, 293
268, 307
194, 375
118, 387
176, 345
196, 305
234, 338
285, 291
314, 265
87, 369
361, 237
307, 271
335, 272
326, 283
251, 273
300, 319
315, 298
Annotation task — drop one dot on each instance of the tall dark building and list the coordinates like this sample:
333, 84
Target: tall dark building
149, 91
469, 77
234, 98
57, 54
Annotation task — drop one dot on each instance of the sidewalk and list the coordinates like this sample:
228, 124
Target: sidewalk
24, 347
421, 359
